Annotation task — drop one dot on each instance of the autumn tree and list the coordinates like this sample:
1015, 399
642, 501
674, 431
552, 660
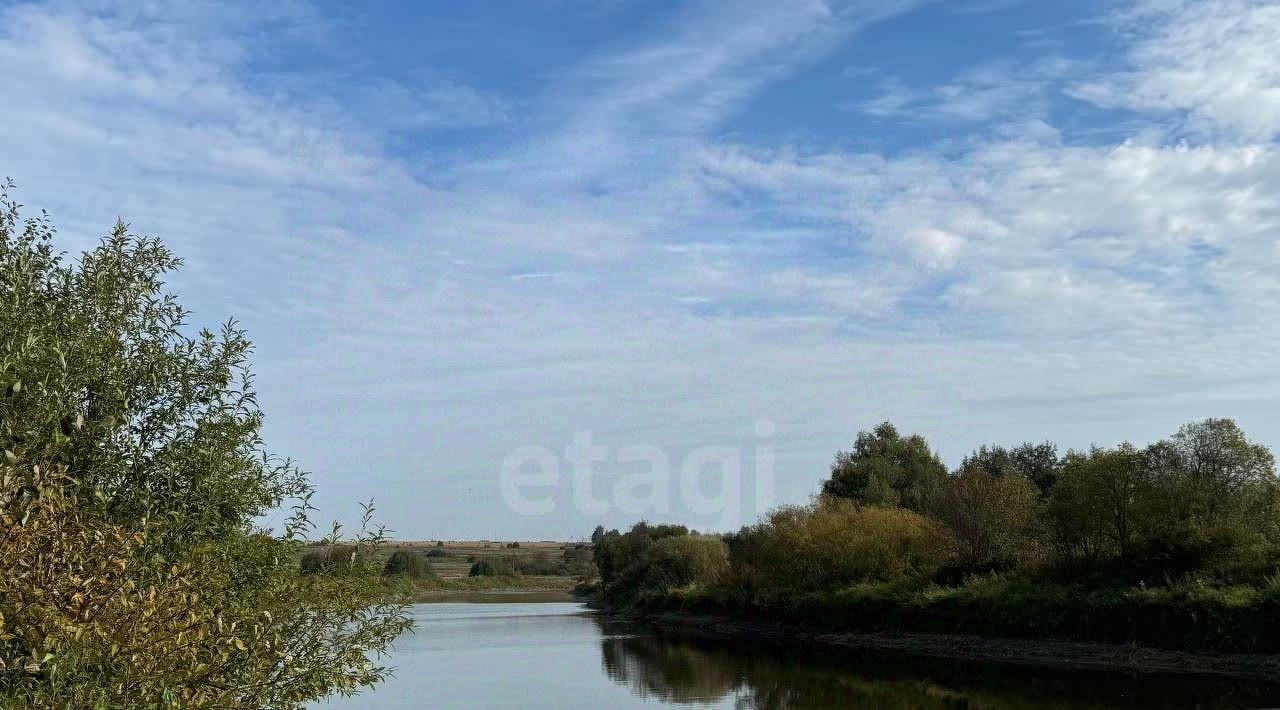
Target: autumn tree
990, 514
1038, 463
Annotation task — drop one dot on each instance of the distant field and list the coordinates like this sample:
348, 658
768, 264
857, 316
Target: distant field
451, 559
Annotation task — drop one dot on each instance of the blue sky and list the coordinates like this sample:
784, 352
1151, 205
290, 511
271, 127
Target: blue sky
458, 229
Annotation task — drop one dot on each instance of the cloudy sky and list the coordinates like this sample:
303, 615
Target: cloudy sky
458, 229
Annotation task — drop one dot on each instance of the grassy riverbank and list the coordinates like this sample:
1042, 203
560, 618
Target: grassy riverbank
1236, 619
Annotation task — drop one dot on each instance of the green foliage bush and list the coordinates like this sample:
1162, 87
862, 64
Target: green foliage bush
483, 568
407, 563
312, 562
684, 560
650, 560
579, 562
835, 543
493, 567
541, 563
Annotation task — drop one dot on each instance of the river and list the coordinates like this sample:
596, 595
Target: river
557, 655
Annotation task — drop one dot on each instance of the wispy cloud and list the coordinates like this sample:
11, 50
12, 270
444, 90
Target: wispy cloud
1212, 63
993, 91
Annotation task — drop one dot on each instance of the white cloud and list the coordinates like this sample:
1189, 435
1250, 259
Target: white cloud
1126, 233
1212, 61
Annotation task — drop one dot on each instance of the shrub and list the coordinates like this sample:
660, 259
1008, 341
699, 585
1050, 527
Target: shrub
330, 559
578, 561
623, 560
406, 563
311, 562
436, 552
680, 561
541, 563
835, 543
492, 567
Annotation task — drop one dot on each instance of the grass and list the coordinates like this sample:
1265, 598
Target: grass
1188, 616
456, 556
451, 560
433, 588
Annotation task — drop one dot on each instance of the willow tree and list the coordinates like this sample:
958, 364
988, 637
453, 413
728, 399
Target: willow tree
133, 471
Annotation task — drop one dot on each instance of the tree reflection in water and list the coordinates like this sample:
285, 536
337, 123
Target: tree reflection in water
677, 669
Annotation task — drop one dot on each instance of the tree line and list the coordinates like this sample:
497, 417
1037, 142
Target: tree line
1204, 500
1158, 538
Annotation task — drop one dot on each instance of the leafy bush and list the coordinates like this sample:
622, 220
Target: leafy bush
311, 562
684, 560
835, 543
540, 563
493, 567
483, 568
579, 561
623, 559
406, 563
328, 559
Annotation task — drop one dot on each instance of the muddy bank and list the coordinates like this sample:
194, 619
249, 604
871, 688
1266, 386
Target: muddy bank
1048, 654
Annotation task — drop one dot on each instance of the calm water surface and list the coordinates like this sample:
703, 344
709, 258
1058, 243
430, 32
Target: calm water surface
556, 655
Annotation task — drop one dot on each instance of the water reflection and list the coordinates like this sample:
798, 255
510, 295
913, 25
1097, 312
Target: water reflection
672, 669
559, 657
